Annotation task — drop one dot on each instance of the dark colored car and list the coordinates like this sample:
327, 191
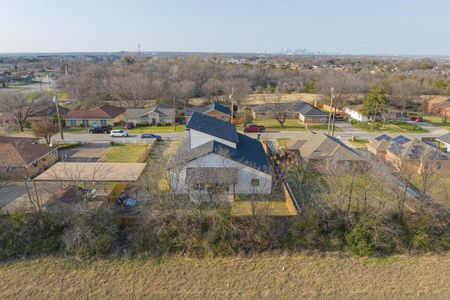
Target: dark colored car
151, 136
100, 129
129, 125
254, 128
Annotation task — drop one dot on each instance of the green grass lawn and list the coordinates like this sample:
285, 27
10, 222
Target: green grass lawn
437, 121
393, 126
293, 125
120, 153
360, 143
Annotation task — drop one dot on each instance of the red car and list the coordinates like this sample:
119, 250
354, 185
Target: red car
254, 128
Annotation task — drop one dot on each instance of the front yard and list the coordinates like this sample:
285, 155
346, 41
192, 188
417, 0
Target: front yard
437, 121
290, 125
393, 126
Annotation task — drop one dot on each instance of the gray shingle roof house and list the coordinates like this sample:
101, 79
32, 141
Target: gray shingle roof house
215, 109
159, 114
225, 162
304, 111
209, 125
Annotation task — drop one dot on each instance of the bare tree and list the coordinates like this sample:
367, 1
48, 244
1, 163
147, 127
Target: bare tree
20, 107
132, 90
44, 129
280, 110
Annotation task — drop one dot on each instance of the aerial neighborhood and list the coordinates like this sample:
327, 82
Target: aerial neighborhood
224, 149
170, 159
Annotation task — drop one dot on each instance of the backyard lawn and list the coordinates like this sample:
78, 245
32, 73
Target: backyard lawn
123, 153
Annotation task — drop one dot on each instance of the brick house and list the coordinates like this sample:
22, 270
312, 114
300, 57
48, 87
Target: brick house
23, 158
102, 115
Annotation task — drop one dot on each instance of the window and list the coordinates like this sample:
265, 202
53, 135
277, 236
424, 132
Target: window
103, 122
255, 182
73, 123
85, 122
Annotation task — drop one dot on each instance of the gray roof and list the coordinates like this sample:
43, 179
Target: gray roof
300, 107
188, 111
444, 138
136, 113
213, 126
249, 152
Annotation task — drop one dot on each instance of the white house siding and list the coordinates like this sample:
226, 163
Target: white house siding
355, 115
199, 138
245, 175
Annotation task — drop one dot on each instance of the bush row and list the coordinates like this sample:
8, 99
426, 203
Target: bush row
98, 234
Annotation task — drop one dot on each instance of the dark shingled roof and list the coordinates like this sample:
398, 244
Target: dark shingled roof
213, 126
300, 107
249, 152
206, 109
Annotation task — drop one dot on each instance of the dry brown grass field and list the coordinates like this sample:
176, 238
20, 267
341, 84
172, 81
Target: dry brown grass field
260, 277
255, 99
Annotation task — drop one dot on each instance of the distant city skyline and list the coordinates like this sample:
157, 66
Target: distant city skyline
402, 27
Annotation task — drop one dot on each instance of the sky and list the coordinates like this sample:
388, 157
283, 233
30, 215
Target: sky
394, 27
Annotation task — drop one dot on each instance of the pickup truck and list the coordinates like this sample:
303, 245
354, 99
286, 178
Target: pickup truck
100, 129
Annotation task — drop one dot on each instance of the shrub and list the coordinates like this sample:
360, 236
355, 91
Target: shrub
24, 234
359, 240
91, 234
144, 124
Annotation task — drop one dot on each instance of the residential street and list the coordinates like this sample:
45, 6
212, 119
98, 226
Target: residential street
348, 131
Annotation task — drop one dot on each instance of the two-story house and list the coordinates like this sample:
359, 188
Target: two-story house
216, 162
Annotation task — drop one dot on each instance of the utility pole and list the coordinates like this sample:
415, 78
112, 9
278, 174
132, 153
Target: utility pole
55, 101
330, 109
334, 119
59, 118
139, 49
231, 99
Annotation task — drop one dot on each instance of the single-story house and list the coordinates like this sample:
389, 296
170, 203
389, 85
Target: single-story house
301, 110
102, 115
325, 153
158, 114
416, 156
379, 145
216, 162
23, 158
445, 141
216, 110
354, 112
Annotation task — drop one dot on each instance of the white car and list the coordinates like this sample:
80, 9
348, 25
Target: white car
119, 133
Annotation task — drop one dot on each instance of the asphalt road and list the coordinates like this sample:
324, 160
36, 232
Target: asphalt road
347, 133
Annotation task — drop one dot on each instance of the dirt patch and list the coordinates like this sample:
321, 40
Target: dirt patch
270, 277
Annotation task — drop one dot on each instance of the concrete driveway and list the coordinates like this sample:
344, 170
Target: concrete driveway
15, 196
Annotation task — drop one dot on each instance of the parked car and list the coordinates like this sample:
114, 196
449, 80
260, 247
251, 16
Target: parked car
129, 125
119, 133
151, 136
417, 119
100, 129
254, 128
